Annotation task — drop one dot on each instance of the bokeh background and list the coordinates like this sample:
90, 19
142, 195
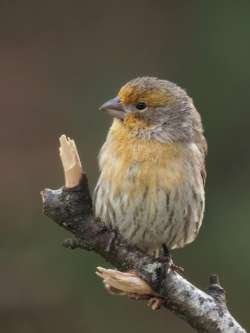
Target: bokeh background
59, 60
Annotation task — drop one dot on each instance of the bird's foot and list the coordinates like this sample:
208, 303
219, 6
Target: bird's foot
167, 259
165, 256
177, 269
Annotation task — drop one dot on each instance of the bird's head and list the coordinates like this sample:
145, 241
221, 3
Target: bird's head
157, 107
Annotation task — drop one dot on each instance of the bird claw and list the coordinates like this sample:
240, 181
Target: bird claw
167, 259
177, 269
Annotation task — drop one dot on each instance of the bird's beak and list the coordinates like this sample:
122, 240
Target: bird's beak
114, 107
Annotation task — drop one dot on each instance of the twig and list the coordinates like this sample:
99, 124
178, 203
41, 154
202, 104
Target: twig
71, 208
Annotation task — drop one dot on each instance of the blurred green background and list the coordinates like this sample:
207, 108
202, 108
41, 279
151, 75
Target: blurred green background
59, 60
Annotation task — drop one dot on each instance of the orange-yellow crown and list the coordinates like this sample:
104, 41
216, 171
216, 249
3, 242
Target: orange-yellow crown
150, 90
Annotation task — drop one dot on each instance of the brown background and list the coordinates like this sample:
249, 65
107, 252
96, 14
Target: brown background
59, 60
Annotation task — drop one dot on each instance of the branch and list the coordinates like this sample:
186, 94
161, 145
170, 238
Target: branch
145, 277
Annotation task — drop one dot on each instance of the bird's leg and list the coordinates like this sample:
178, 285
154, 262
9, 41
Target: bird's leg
165, 257
166, 251
131, 285
168, 259
154, 301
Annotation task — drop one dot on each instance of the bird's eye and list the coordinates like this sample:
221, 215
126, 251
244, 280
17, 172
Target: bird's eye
141, 106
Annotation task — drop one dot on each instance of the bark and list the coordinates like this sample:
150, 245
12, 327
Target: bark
71, 208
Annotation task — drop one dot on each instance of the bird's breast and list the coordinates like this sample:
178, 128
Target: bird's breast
132, 164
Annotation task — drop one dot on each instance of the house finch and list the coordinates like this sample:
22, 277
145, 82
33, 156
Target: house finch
152, 166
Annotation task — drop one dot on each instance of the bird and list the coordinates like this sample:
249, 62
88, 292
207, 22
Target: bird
152, 166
